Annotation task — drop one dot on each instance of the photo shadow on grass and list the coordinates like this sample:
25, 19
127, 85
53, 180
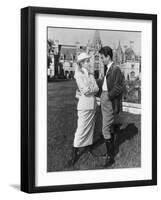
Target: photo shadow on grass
96, 150
124, 134
120, 136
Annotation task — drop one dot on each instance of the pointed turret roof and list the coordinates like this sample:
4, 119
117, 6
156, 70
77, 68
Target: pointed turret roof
96, 39
119, 48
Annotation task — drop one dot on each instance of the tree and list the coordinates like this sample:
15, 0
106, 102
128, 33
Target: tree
50, 45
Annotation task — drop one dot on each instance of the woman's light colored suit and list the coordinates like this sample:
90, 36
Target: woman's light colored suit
86, 108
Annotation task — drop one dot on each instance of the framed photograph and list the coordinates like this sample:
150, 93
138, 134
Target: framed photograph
88, 99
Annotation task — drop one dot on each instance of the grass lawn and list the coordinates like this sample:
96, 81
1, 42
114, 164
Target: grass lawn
62, 123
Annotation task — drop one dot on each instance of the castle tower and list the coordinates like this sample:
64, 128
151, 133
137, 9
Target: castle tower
125, 47
132, 45
96, 43
114, 52
119, 54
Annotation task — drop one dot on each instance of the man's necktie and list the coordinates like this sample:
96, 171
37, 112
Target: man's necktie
105, 69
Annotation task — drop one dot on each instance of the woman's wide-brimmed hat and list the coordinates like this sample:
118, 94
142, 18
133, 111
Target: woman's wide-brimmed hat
83, 56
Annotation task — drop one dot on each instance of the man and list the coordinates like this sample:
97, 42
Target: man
111, 95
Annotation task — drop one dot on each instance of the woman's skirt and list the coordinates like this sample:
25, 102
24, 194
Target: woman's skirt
85, 128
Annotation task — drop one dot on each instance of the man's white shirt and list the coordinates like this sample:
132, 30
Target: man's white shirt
104, 86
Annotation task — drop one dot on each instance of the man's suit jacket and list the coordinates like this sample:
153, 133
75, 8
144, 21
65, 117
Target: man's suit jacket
115, 84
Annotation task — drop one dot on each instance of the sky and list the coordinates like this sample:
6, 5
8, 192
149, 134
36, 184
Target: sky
69, 36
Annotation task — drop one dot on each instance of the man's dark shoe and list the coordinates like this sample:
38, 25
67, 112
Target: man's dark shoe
110, 152
109, 161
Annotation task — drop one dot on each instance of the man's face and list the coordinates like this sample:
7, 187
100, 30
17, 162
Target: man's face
104, 59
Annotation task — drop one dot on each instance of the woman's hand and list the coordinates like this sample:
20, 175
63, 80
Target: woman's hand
98, 101
78, 94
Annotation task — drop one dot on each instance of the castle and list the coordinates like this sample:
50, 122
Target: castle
66, 55
128, 61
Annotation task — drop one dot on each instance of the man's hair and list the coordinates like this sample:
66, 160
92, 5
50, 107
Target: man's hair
106, 51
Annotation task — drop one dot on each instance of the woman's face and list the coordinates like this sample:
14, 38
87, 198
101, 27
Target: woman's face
86, 64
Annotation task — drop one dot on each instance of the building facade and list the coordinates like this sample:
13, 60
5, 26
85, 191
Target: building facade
128, 61
63, 58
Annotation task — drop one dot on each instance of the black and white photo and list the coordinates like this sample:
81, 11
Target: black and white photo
94, 99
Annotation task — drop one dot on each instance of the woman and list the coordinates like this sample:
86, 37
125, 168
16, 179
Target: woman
86, 108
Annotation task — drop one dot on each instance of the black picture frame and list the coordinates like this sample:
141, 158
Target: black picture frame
28, 98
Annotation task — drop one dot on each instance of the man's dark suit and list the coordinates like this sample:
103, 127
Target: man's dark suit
115, 84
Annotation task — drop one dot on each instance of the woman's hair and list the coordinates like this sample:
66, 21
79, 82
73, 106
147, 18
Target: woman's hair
106, 51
